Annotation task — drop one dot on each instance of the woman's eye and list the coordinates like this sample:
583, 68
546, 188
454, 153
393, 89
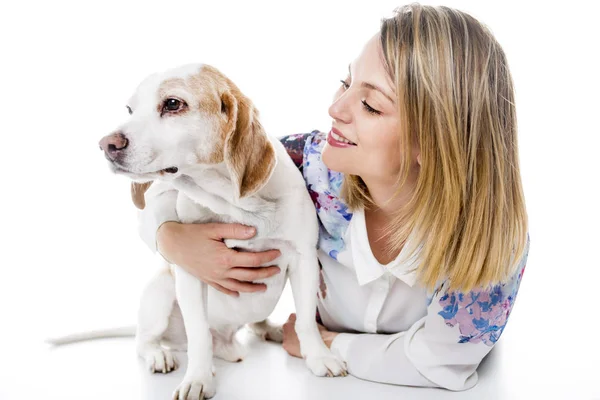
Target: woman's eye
345, 84
370, 109
129, 110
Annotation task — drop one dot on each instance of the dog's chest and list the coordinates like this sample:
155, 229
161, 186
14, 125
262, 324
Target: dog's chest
190, 212
248, 307
267, 237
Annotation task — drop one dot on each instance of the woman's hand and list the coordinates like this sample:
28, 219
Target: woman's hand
291, 344
200, 250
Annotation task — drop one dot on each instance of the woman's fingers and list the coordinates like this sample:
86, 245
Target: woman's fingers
249, 259
220, 231
252, 274
244, 287
224, 290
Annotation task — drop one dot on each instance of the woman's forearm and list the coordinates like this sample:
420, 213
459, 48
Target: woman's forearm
160, 209
166, 238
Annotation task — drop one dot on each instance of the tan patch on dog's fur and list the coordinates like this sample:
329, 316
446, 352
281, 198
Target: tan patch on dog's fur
204, 87
247, 151
137, 193
165, 91
241, 143
168, 86
208, 83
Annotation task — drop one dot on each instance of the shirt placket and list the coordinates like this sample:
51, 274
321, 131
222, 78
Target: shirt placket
379, 292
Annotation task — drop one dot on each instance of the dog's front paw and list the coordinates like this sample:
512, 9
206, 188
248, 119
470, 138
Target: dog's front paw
161, 360
326, 365
195, 388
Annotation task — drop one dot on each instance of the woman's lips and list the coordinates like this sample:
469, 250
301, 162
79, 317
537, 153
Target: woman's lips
336, 139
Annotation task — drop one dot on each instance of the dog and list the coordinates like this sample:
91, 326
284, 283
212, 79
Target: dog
192, 130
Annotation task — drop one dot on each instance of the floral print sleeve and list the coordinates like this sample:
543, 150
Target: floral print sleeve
460, 329
480, 315
323, 185
442, 349
294, 145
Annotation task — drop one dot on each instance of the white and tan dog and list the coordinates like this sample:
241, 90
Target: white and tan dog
193, 131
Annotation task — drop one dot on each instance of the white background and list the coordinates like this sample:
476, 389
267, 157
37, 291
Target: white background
71, 258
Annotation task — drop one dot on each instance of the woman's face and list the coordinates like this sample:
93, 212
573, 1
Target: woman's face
365, 112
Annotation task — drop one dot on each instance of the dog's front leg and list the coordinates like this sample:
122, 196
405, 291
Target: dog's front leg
304, 277
192, 294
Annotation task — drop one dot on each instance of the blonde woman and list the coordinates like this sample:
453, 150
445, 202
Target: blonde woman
423, 228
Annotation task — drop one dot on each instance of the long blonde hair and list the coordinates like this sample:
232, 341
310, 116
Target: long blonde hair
456, 102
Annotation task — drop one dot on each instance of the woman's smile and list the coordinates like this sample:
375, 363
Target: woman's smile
336, 139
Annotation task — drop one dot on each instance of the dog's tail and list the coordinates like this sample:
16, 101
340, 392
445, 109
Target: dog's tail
124, 331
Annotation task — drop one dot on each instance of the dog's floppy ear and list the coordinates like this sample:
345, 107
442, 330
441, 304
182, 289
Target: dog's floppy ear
137, 193
248, 153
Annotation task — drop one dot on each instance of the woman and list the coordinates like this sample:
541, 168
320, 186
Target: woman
423, 228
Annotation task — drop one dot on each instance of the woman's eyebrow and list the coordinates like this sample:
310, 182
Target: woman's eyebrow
373, 87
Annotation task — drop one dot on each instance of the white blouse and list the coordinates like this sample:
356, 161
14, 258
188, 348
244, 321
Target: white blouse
394, 330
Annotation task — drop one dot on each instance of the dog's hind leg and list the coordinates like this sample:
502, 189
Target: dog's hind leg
267, 330
226, 345
175, 338
154, 314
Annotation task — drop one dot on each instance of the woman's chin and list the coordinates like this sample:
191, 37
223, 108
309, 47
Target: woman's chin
336, 160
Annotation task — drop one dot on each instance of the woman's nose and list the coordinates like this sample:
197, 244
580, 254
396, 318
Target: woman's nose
339, 110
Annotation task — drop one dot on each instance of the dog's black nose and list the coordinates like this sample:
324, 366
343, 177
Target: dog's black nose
113, 145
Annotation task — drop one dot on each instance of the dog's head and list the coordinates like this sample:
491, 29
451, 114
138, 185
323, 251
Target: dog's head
184, 117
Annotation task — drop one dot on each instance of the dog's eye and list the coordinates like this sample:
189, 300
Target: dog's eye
172, 105
129, 110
